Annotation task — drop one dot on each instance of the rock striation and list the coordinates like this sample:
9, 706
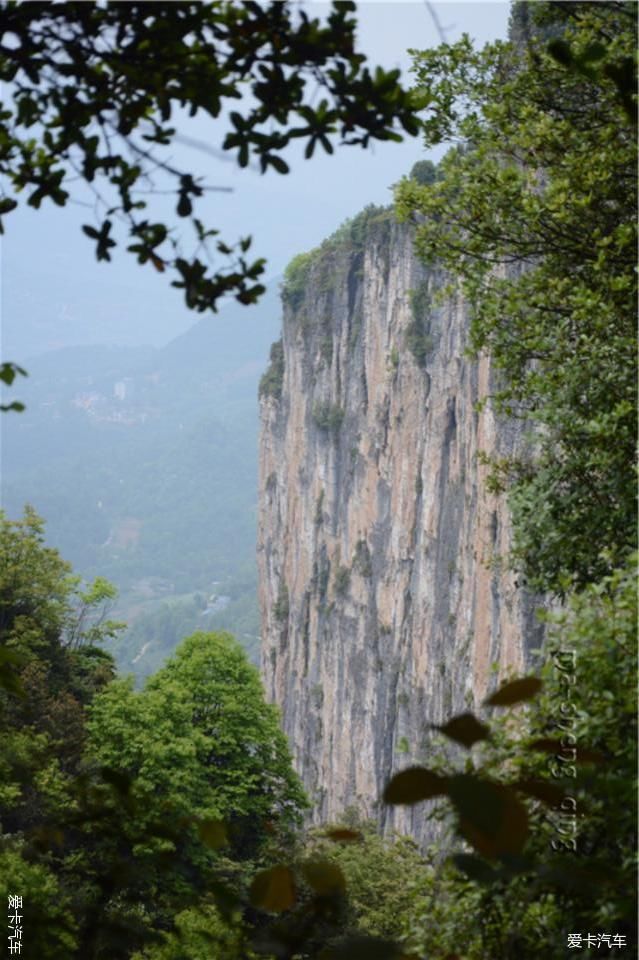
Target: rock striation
385, 606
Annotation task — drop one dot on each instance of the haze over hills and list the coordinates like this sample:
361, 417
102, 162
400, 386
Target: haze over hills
143, 463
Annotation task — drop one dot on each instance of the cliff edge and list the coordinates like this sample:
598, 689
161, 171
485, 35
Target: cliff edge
383, 598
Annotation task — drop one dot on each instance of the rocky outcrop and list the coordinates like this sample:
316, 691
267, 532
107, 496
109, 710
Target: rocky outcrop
385, 605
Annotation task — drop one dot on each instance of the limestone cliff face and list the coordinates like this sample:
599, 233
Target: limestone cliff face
382, 598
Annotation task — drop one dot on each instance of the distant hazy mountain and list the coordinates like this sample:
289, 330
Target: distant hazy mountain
143, 463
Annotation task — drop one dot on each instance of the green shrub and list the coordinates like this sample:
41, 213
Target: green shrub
362, 560
322, 580
382, 874
273, 377
356, 329
417, 337
342, 580
281, 607
418, 342
424, 172
354, 232
295, 279
327, 416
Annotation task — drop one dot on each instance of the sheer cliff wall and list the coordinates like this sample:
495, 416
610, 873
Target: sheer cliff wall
383, 601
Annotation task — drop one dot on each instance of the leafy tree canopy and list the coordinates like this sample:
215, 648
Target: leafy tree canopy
200, 740
534, 209
95, 89
48, 619
51, 666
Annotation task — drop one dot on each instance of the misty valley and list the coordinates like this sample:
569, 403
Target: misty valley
144, 464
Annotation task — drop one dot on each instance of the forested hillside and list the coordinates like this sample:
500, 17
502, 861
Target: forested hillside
144, 464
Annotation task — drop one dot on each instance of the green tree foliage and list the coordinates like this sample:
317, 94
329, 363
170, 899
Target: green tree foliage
42, 605
50, 925
51, 661
534, 209
273, 379
95, 89
417, 336
538, 792
424, 172
295, 277
206, 766
122, 811
383, 875
201, 932
328, 416
200, 739
52, 667
329, 259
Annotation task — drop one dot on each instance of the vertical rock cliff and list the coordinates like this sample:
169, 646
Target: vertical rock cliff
384, 603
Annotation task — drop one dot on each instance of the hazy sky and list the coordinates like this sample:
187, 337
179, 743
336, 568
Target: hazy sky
55, 294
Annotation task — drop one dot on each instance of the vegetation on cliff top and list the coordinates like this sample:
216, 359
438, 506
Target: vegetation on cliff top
327, 260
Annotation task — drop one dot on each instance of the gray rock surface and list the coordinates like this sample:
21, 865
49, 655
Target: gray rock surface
384, 603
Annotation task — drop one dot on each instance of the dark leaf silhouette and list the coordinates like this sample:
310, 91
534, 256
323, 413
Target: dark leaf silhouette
342, 835
465, 729
273, 890
515, 691
413, 785
491, 817
363, 948
474, 867
548, 793
325, 878
213, 833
